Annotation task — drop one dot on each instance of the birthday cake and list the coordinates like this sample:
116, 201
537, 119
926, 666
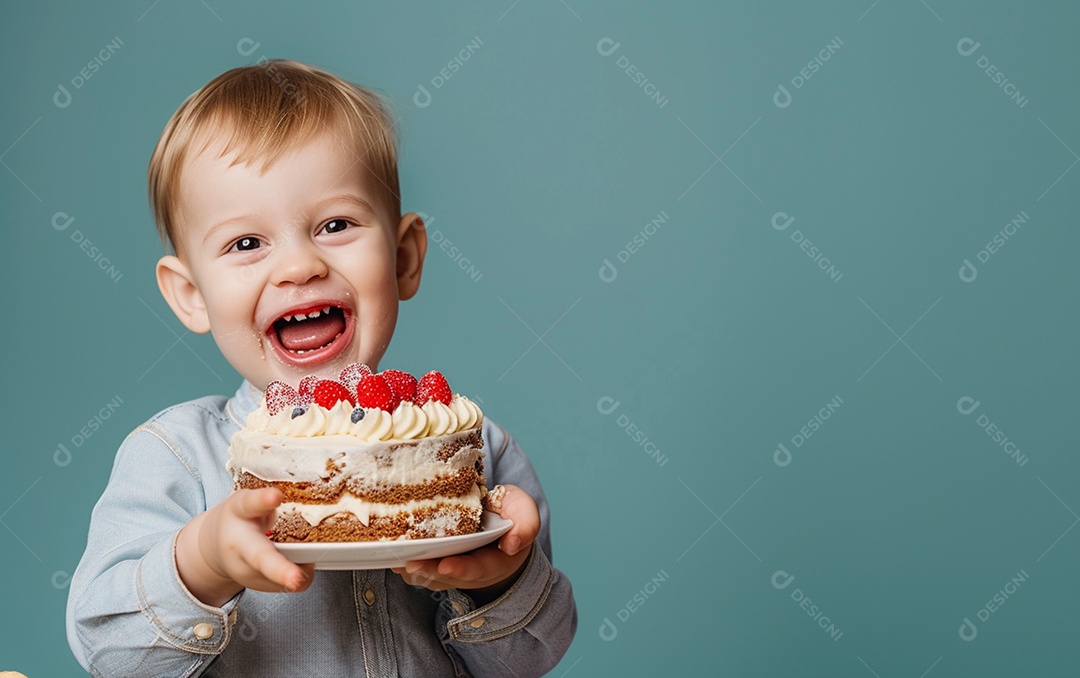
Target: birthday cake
365, 457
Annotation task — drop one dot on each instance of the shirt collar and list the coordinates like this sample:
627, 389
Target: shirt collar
245, 401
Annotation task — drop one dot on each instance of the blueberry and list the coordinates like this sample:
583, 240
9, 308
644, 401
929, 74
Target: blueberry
357, 414
297, 411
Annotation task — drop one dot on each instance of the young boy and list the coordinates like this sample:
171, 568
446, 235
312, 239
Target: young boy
276, 186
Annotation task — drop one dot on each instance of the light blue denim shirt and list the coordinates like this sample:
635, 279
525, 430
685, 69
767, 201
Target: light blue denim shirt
128, 613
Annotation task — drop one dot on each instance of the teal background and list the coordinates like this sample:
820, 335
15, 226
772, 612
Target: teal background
538, 160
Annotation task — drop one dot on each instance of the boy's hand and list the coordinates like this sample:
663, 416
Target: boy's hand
486, 572
225, 549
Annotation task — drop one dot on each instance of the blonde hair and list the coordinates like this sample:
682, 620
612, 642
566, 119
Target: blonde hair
263, 111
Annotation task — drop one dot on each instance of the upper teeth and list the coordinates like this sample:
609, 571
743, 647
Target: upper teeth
305, 316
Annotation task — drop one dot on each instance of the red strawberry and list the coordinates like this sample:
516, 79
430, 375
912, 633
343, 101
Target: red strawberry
373, 391
352, 374
280, 396
403, 383
433, 386
329, 393
307, 384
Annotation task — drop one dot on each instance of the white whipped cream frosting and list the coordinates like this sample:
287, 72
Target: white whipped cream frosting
407, 422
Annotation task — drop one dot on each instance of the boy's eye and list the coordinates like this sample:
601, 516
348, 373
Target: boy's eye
335, 226
245, 244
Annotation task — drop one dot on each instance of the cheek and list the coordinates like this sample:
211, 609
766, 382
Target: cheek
379, 261
373, 277
230, 296
375, 282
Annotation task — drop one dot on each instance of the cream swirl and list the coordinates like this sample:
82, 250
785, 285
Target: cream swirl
259, 419
410, 422
441, 418
310, 423
338, 419
468, 413
376, 425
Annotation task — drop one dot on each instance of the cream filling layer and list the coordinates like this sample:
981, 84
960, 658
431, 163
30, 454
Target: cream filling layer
279, 458
364, 511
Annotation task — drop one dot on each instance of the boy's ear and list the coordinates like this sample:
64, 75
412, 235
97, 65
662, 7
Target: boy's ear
178, 287
411, 248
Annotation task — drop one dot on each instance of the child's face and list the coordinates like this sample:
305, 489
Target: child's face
307, 237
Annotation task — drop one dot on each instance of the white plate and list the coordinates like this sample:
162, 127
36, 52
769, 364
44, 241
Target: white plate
377, 555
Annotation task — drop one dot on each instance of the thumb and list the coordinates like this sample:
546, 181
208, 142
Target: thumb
253, 504
519, 507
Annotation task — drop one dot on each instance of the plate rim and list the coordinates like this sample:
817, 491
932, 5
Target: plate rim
496, 527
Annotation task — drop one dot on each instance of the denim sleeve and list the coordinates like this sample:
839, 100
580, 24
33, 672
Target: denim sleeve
128, 613
527, 630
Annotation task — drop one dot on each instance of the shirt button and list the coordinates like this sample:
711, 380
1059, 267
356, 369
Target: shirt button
203, 631
369, 596
459, 609
477, 623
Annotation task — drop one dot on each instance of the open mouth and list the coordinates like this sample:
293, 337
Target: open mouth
311, 335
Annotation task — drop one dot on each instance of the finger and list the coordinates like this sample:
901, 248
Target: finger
257, 582
425, 578
428, 583
477, 569
464, 567
414, 566
480, 565
451, 570
510, 544
308, 572
252, 504
269, 563
519, 507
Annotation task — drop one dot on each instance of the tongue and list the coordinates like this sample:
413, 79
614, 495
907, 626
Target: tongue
307, 335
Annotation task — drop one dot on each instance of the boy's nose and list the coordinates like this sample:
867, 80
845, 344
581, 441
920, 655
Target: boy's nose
299, 263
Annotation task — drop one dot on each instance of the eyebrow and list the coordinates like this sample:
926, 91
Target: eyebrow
354, 200
222, 224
